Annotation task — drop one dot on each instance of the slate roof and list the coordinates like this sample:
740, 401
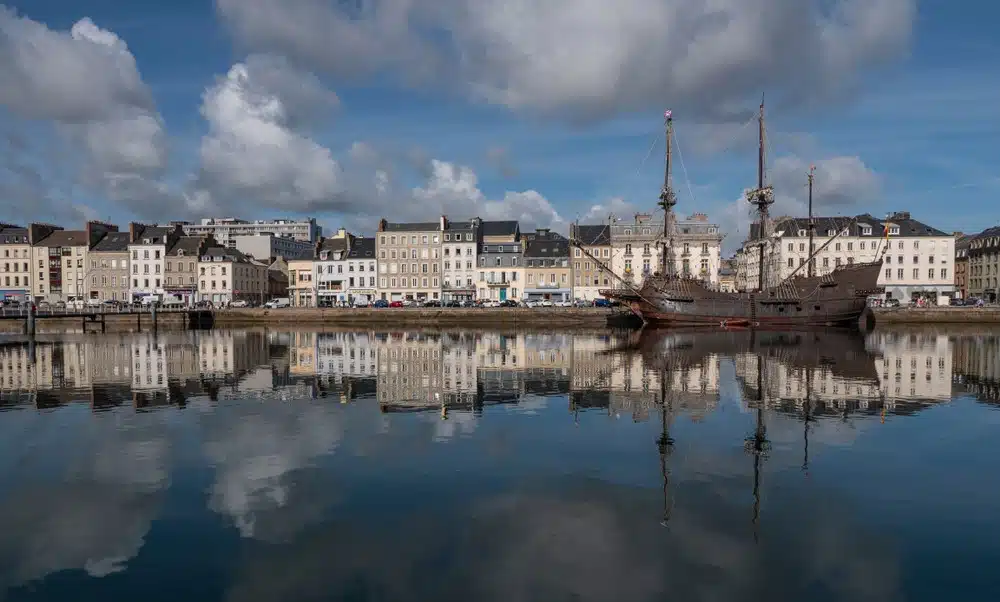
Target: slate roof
984, 242
547, 245
13, 235
230, 254
362, 248
500, 228
157, 234
332, 245
65, 238
908, 227
592, 235
461, 227
412, 227
190, 245
113, 242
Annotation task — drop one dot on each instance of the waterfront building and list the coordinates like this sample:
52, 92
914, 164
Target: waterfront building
962, 242
546, 267
16, 249
637, 247
301, 285
409, 260
591, 274
181, 266
264, 246
147, 257
500, 261
330, 270
362, 270
918, 259
984, 264
109, 271
226, 230
226, 275
277, 279
727, 275
60, 257
459, 248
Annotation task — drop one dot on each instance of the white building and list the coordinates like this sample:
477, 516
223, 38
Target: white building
919, 260
226, 275
362, 269
227, 229
636, 248
592, 270
264, 246
330, 271
147, 252
459, 246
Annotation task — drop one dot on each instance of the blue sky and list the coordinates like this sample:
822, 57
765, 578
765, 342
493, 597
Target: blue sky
922, 120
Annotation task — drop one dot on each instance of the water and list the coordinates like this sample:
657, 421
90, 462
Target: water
269, 465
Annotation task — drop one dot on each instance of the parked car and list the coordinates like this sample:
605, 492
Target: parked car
278, 303
239, 303
398, 304
380, 303
891, 303
432, 303
602, 302
508, 303
564, 304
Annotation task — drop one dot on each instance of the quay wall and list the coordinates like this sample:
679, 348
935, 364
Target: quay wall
113, 322
988, 316
503, 317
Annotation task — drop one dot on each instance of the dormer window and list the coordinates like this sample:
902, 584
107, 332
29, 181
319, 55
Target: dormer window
866, 231
147, 241
830, 233
324, 255
628, 232
180, 252
894, 230
802, 232
845, 232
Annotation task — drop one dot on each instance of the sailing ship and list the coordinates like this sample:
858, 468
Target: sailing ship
665, 298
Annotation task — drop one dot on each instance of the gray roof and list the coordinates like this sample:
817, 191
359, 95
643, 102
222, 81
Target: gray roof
334, 244
547, 244
113, 242
65, 238
412, 227
908, 226
190, 245
501, 228
984, 242
462, 227
362, 248
592, 235
231, 254
157, 234
13, 235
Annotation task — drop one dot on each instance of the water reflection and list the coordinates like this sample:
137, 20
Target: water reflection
325, 453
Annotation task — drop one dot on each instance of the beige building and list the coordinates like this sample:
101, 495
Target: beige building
409, 260
301, 285
16, 283
227, 275
60, 258
181, 267
638, 245
984, 265
547, 274
109, 271
591, 273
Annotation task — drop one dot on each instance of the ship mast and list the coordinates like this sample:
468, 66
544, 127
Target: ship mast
762, 197
812, 225
667, 201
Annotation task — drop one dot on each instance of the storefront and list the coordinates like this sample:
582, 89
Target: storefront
459, 294
548, 294
359, 296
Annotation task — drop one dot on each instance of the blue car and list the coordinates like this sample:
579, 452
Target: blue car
380, 303
602, 302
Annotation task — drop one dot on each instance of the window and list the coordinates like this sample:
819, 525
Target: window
837, 246
930, 273
447, 237
802, 247
899, 273
850, 246
791, 262
888, 273
916, 259
916, 244
930, 259
862, 245
944, 272
381, 241
628, 249
916, 273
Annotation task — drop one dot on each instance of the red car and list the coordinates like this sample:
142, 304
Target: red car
396, 304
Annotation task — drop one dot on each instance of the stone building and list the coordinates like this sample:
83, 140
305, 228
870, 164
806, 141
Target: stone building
459, 248
16, 249
547, 274
591, 273
147, 258
330, 270
500, 261
60, 257
962, 242
409, 261
109, 271
181, 266
301, 286
362, 270
984, 264
637, 247
226, 275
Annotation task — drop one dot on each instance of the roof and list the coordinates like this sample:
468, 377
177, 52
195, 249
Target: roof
592, 235
190, 245
113, 242
334, 245
65, 238
157, 234
362, 248
462, 227
412, 227
908, 227
549, 244
501, 228
13, 235
229, 254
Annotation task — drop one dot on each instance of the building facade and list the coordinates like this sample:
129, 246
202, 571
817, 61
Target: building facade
409, 261
962, 242
918, 260
264, 246
301, 285
147, 258
698, 249
459, 248
226, 275
547, 273
984, 264
109, 271
727, 276
16, 249
362, 272
61, 259
330, 271
181, 267
636, 247
500, 261
226, 230
591, 270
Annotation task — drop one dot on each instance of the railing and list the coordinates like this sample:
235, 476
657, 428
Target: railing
71, 311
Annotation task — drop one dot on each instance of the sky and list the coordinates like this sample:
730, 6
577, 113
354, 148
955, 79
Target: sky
546, 112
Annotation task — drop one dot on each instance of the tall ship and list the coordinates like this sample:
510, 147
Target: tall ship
802, 299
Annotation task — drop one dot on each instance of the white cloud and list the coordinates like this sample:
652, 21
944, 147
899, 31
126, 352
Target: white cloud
588, 58
86, 82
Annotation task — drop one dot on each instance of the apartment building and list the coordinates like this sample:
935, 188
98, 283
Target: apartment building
984, 264
591, 270
330, 271
635, 247
962, 242
181, 267
147, 257
409, 260
226, 230
460, 243
16, 251
301, 284
226, 275
918, 260
547, 274
500, 261
61, 259
109, 271
362, 271
263, 246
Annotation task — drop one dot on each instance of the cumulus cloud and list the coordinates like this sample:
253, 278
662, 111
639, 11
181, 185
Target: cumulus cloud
85, 82
589, 58
843, 186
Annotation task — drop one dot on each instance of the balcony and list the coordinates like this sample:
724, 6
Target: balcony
545, 285
502, 282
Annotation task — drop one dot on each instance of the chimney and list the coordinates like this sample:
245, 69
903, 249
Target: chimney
444, 223
134, 231
38, 232
382, 225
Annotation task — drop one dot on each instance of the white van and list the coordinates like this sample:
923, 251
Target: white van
278, 303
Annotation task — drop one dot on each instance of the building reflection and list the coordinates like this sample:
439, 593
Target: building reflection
435, 371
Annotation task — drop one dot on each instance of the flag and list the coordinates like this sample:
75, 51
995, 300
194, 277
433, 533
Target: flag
667, 114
